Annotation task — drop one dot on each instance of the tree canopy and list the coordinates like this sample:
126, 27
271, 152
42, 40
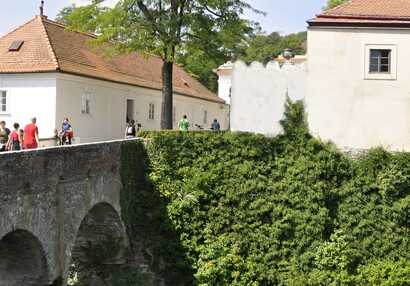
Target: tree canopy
162, 28
333, 3
265, 48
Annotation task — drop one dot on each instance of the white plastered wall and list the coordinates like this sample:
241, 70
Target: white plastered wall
346, 106
30, 95
259, 95
108, 111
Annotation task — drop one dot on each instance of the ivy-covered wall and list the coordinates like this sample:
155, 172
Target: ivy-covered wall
221, 208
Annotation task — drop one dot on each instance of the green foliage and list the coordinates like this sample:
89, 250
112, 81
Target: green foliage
293, 42
98, 261
265, 48
63, 14
164, 27
260, 47
242, 209
294, 123
274, 210
144, 213
58, 282
333, 3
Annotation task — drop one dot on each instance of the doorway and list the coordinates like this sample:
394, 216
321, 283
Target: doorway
130, 110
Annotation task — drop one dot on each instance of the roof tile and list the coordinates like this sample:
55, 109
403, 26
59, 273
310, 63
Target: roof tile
375, 8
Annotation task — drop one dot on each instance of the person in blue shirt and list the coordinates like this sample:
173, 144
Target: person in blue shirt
66, 132
215, 125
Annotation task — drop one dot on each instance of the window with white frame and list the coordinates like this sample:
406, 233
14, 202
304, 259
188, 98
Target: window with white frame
86, 103
151, 112
4, 102
205, 119
174, 114
380, 61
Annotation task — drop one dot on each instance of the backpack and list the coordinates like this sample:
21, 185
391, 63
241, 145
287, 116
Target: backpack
131, 129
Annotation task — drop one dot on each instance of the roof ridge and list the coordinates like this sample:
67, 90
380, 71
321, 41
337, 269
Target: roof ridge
48, 43
363, 16
65, 26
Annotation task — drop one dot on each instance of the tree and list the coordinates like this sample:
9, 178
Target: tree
261, 47
333, 3
265, 48
162, 27
64, 13
293, 42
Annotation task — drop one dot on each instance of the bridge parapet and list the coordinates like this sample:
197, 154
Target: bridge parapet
46, 196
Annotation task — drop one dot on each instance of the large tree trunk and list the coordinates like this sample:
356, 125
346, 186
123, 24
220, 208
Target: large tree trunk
166, 111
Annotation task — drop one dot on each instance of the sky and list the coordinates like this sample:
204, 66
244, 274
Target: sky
286, 17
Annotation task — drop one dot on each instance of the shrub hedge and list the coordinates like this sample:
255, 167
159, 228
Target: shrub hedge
222, 208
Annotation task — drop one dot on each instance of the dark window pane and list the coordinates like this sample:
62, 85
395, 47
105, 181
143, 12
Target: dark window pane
385, 53
384, 68
384, 61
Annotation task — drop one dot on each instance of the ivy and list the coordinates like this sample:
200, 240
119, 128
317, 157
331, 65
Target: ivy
222, 208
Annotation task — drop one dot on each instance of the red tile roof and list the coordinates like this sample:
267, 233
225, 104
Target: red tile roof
49, 48
375, 8
366, 13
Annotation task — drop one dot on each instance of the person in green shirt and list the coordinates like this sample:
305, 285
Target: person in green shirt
183, 124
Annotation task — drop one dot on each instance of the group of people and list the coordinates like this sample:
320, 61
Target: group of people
66, 134
19, 139
28, 138
183, 124
131, 130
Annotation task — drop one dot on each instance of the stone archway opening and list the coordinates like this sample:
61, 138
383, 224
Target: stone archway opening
22, 260
100, 244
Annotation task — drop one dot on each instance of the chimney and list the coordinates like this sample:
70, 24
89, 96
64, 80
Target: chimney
41, 8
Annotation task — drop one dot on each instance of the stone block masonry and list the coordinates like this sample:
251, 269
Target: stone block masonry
51, 201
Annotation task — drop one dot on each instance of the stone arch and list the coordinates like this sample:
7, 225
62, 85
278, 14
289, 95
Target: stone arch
22, 260
99, 224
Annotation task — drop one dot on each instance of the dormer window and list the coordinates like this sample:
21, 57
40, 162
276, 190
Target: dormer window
16, 46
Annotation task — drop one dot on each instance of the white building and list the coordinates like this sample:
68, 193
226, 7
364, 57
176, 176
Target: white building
51, 73
358, 87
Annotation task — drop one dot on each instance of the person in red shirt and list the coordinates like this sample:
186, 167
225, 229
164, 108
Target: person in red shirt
31, 135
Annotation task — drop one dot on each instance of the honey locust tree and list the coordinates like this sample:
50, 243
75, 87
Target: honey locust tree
164, 27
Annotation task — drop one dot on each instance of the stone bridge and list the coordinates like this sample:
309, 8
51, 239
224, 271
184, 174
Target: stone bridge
52, 201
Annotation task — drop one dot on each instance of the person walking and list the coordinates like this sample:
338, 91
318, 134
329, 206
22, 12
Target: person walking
183, 124
15, 142
215, 125
4, 136
31, 135
130, 130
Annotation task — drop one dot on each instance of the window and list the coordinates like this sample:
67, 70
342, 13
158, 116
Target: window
380, 61
205, 119
4, 102
151, 113
16, 46
174, 114
86, 103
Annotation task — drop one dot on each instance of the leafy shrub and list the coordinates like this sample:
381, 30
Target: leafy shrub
225, 208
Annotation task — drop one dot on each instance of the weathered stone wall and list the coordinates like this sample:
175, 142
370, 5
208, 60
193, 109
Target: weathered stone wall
46, 194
